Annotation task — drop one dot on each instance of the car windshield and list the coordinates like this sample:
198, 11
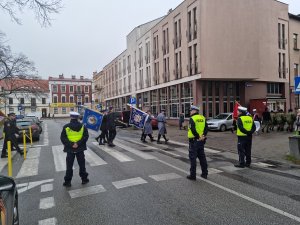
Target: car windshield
221, 116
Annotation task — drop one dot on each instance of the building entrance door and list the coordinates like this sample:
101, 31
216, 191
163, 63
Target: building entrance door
44, 113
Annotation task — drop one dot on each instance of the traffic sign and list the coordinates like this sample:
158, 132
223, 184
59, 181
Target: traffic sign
99, 106
132, 100
20, 107
297, 85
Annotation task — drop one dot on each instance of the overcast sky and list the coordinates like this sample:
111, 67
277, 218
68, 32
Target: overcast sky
86, 35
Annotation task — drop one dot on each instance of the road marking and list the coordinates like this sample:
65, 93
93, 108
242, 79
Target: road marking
26, 186
114, 153
47, 187
213, 171
271, 208
86, 191
93, 159
3, 161
167, 176
262, 165
59, 158
50, 221
129, 182
47, 203
143, 155
230, 168
208, 150
30, 166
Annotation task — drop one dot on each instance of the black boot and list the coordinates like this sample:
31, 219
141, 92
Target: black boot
158, 139
100, 142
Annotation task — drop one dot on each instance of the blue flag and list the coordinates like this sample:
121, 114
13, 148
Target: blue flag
92, 119
137, 118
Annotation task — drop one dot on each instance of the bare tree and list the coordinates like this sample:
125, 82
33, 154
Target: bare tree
42, 9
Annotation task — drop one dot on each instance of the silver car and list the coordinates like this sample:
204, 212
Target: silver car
221, 122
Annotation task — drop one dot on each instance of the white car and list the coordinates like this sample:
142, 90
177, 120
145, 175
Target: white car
221, 122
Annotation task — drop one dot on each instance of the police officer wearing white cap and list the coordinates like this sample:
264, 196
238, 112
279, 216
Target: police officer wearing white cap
197, 136
245, 129
74, 137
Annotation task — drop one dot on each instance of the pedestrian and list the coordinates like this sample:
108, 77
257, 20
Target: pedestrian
147, 131
297, 123
10, 130
111, 127
104, 132
290, 119
273, 120
245, 129
74, 136
181, 120
161, 123
197, 137
266, 122
280, 119
257, 121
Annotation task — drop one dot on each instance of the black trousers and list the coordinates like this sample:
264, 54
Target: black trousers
196, 150
103, 136
244, 149
14, 144
81, 162
111, 135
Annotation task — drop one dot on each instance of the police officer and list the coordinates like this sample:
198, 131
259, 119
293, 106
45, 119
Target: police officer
74, 137
245, 129
111, 126
197, 136
10, 129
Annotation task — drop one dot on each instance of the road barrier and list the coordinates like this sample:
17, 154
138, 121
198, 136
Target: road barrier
30, 136
9, 163
24, 143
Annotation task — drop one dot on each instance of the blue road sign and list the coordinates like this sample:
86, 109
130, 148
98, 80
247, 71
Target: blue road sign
20, 108
297, 85
99, 106
132, 100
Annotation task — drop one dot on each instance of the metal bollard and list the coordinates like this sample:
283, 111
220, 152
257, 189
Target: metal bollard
24, 143
9, 163
30, 136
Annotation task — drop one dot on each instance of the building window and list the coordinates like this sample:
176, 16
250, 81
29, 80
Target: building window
71, 89
63, 99
283, 66
54, 88
189, 26
86, 99
55, 110
295, 39
71, 99
63, 88
274, 88
43, 101
64, 111
79, 89
195, 59
10, 101
11, 109
54, 99
22, 101
72, 109
174, 102
86, 89
33, 101
195, 22
33, 109
279, 65
296, 70
190, 68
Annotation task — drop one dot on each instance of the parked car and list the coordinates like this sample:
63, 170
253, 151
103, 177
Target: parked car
122, 118
36, 121
24, 124
9, 211
221, 122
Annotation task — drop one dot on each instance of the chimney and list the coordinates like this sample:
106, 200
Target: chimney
61, 76
73, 77
81, 77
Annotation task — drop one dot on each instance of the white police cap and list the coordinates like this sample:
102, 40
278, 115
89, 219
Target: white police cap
194, 108
243, 109
74, 114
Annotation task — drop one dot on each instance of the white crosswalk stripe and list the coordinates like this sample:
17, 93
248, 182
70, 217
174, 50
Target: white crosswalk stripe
30, 166
114, 153
60, 158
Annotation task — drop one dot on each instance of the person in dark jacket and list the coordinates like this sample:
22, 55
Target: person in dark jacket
111, 127
10, 130
148, 128
74, 137
245, 129
104, 132
197, 132
266, 120
181, 120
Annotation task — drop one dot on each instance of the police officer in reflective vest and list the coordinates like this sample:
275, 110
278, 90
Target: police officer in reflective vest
197, 136
245, 129
74, 137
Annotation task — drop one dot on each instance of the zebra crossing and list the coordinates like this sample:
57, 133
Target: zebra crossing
120, 154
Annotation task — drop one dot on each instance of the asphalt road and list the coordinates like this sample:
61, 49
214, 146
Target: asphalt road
136, 183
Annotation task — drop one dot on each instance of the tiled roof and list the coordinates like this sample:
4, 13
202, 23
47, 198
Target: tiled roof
25, 84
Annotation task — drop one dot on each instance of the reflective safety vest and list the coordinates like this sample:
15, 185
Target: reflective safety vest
74, 136
247, 122
199, 121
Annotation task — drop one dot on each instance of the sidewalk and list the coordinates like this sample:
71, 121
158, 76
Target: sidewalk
271, 147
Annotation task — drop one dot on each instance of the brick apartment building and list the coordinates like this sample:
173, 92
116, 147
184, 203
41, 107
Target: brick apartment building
69, 94
209, 53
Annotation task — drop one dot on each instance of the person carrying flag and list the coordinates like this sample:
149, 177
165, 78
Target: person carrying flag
74, 136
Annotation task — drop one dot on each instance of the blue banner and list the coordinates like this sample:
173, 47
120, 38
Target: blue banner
92, 119
137, 118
